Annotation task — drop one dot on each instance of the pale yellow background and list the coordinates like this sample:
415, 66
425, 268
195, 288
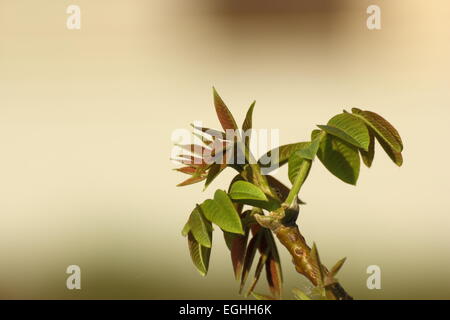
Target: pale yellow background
86, 118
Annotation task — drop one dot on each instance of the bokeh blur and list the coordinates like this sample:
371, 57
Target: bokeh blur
86, 118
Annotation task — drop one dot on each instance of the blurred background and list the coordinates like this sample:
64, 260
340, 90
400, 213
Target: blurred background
86, 119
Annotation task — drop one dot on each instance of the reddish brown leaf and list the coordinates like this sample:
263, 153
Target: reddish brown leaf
238, 248
274, 275
395, 156
248, 260
382, 128
259, 267
187, 170
223, 113
191, 180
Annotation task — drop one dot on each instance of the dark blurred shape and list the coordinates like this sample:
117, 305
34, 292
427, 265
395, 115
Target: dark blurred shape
257, 18
253, 7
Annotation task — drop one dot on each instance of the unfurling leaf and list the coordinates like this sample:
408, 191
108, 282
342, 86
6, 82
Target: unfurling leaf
367, 156
340, 158
223, 113
277, 157
199, 255
243, 190
200, 228
382, 128
222, 212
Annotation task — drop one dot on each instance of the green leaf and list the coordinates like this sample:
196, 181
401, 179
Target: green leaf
315, 133
367, 156
348, 128
284, 153
300, 295
223, 113
199, 255
243, 190
353, 127
340, 158
200, 228
186, 229
222, 212
340, 134
382, 128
